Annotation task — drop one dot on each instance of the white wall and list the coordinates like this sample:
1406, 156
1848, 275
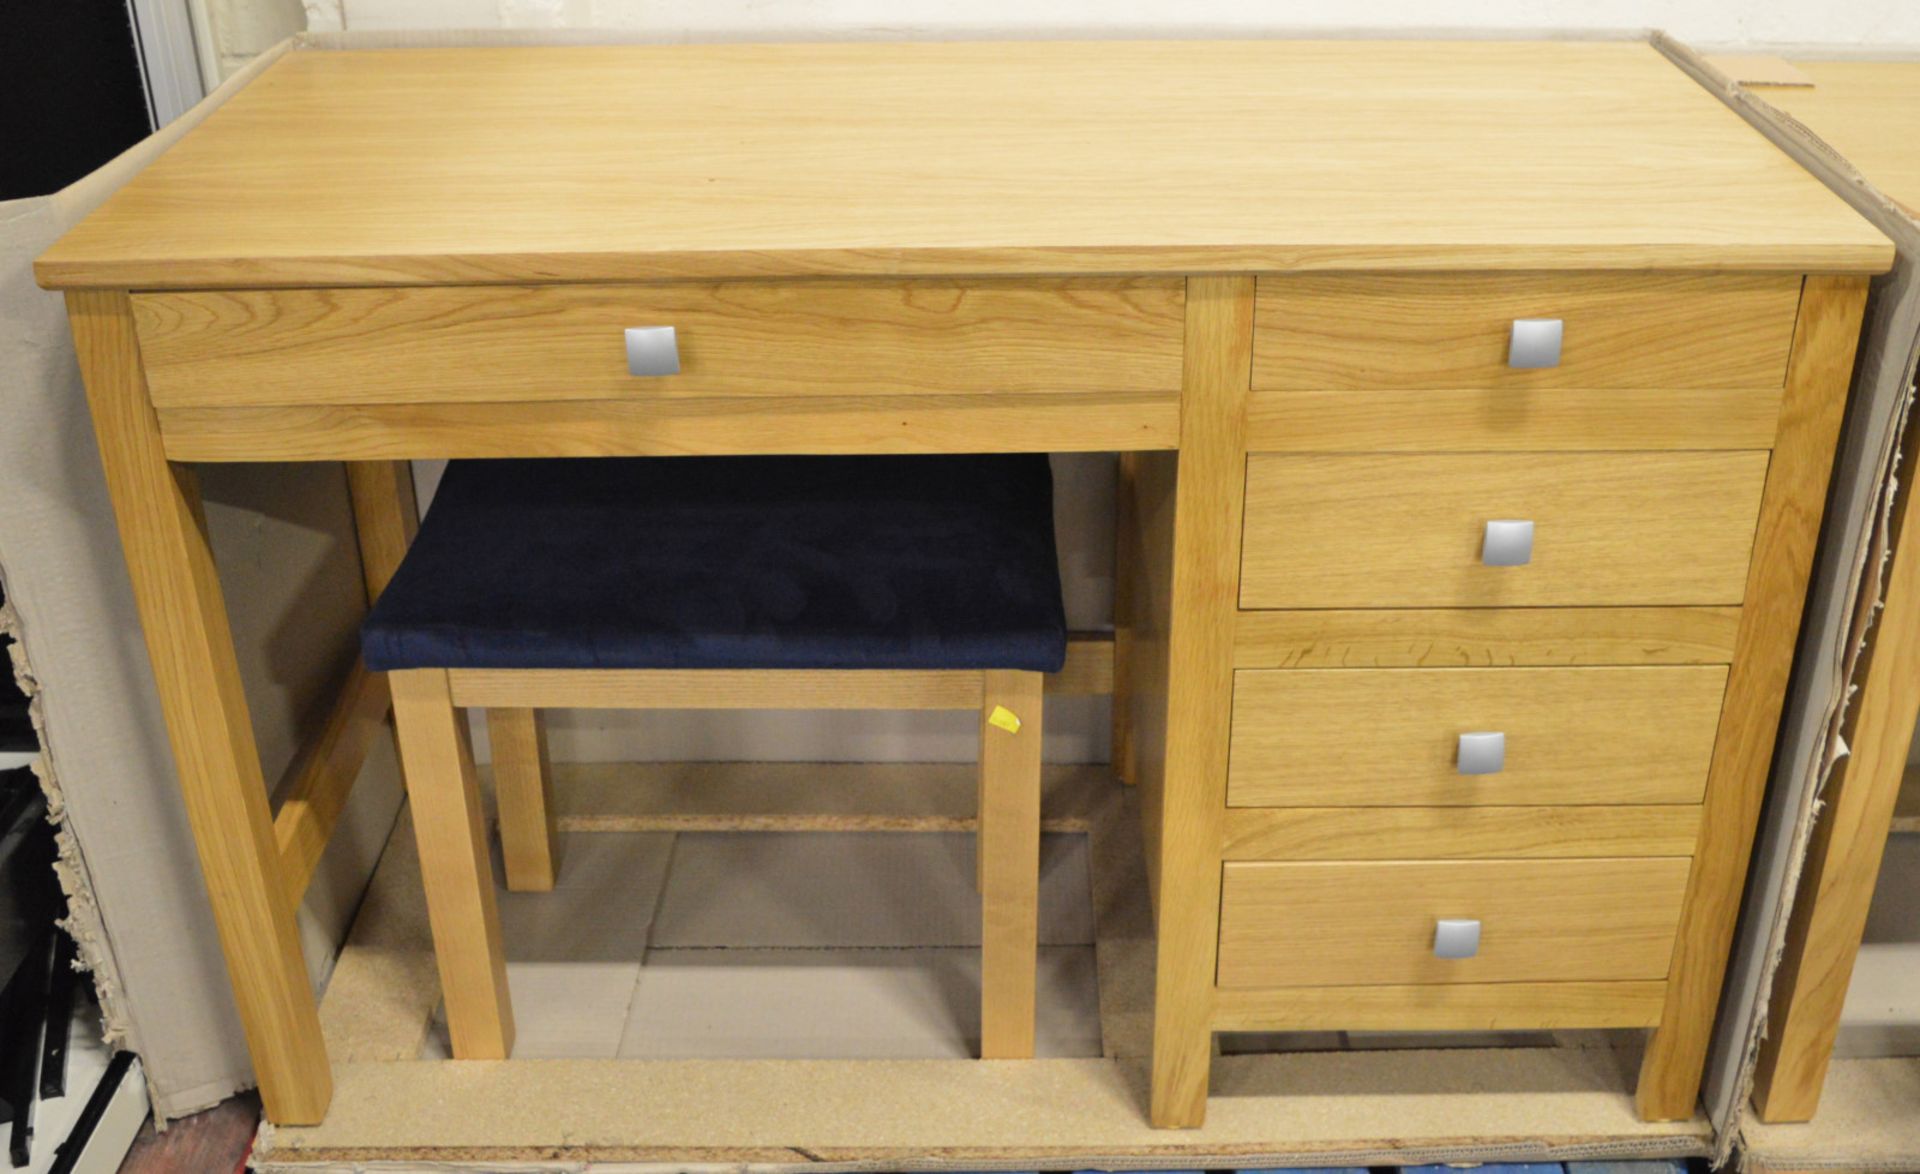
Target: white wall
239, 29
1706, 22
234, 32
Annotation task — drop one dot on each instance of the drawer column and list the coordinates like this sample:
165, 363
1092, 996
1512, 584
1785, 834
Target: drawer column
1208, 500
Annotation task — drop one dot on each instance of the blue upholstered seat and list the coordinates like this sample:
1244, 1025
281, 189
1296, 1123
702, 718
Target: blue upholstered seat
924, 562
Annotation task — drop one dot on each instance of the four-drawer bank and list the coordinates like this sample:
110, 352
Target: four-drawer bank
1479, 522
1509, 564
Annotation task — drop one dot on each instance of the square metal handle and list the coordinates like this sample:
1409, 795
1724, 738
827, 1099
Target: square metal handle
1535, 342
1481, 754
652, 350
1507, 543
1456, 937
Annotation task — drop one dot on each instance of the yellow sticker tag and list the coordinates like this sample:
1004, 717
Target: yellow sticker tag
1004, 718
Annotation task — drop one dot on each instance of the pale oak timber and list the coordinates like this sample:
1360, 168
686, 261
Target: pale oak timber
1034, 337
1818, 375
1208, 499
1864, 110
1088, 670
1009, 839
1379, 333
1466, 1006
456, 868
182, 611
323, 775
1096, 422
1340, 923
1387, 737
1126, 554
1150, 608
573, 163
523, 791
1090, 667
1436, 833
1497, 419
717, 688
1405, 530
1485, 636
385, 518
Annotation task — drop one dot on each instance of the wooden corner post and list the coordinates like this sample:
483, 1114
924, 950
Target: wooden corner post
1819, 373
163, 533
1208, 499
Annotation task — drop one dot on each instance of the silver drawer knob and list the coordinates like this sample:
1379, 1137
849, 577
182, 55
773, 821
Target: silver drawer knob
1456, 937
1508, 543
1535, 342
1482, 754
652, 350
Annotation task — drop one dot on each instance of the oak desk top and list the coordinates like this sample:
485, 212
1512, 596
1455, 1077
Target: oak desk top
1869, 111
624, 162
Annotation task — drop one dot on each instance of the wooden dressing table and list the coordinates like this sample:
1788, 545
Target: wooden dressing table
1342, 305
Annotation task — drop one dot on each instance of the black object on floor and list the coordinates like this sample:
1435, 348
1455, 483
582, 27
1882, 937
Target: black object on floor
62, 983
31, 947
69, 1151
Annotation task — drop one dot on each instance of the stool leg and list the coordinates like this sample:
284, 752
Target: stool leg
1009, 865
980, 814
523, 783
454, 865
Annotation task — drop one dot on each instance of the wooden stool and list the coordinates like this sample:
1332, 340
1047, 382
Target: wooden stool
926, 582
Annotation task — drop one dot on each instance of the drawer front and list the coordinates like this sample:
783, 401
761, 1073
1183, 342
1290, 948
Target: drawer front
1427, 737
1374, 924
1379, 530
1384, 333
568, 342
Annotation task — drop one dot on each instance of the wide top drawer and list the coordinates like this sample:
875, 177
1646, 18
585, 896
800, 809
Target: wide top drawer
571, 342
1523, 330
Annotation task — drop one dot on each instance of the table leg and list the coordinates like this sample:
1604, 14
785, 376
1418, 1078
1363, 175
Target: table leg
1818, 374
1208, 501
183, 614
